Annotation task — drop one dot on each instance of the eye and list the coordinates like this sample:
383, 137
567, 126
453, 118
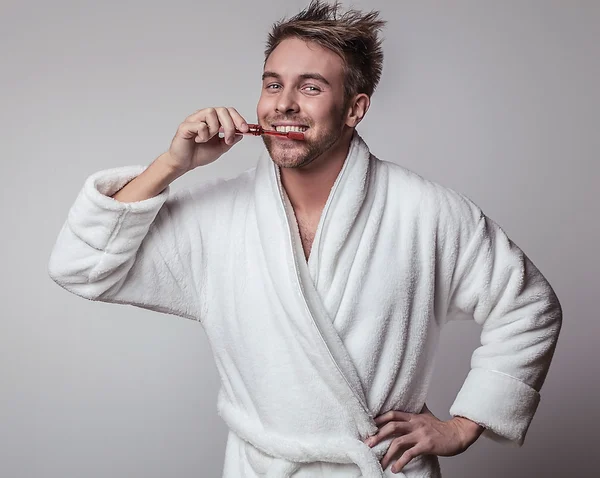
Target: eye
272, 84
314, 88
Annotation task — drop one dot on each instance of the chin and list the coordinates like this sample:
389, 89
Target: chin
286, 153
287, 160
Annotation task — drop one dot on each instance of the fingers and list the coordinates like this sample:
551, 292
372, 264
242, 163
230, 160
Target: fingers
392, 415
198, 130
228, 124
212, 120
238, 119
417, 434
188, 130
398, 447
216, 118
389, 430
199, 115
393, 429
406, 456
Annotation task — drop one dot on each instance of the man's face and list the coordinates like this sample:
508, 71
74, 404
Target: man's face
303, 84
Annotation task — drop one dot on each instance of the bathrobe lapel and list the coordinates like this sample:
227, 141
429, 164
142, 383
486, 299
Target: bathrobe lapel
320, 282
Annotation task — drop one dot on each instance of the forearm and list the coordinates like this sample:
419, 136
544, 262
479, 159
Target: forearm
499, 287
151, 182
99, 241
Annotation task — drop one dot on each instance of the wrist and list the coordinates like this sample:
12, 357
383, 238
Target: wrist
166, 169
468, 429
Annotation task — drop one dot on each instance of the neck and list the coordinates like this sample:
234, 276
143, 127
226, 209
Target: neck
308, 187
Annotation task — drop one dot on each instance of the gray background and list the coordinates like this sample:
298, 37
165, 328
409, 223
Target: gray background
498, 100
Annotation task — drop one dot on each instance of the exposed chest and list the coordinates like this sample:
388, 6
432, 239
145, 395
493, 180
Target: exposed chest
307, 226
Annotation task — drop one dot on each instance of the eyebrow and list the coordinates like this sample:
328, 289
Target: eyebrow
303, 76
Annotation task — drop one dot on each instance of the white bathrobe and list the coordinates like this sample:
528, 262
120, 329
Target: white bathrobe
309, 353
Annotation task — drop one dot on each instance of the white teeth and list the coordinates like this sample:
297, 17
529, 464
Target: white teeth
287, 129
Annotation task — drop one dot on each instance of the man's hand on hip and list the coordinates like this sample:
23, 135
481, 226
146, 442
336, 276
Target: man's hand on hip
422, 434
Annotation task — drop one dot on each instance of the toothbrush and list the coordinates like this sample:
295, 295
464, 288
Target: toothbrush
257, 130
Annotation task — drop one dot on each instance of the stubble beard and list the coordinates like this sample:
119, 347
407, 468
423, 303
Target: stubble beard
289, 153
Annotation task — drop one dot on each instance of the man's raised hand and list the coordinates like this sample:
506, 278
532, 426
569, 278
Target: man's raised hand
197, 142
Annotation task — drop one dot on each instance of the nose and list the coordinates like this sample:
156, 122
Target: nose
286, 102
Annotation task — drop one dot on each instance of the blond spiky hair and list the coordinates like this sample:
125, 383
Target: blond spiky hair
352, 35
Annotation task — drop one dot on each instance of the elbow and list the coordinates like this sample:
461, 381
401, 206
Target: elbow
555, 312
77, 285
71, 276
56, 269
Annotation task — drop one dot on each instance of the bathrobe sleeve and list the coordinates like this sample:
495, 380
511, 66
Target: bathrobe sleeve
497, 285
138, 253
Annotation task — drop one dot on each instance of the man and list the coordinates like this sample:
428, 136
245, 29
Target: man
322, 276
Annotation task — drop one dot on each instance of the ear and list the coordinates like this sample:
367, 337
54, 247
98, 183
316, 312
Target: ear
357, 108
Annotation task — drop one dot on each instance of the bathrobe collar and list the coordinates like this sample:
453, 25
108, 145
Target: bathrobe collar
314, 285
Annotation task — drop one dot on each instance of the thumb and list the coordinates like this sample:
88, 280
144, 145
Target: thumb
236, 139
222, 147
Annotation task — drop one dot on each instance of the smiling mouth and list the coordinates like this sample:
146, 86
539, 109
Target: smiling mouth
287, 129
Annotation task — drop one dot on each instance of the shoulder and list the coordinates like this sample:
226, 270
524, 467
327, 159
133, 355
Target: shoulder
449, 208
441, 215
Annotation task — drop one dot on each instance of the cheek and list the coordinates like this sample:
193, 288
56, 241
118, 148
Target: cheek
262, 107
324, 115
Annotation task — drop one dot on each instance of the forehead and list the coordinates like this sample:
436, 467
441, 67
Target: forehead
293, 57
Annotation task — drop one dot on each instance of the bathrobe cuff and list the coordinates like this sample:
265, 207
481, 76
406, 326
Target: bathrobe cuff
107, 224
502, 404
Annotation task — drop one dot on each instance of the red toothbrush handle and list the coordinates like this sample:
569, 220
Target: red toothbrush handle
257, 130
296, 135
253, 129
